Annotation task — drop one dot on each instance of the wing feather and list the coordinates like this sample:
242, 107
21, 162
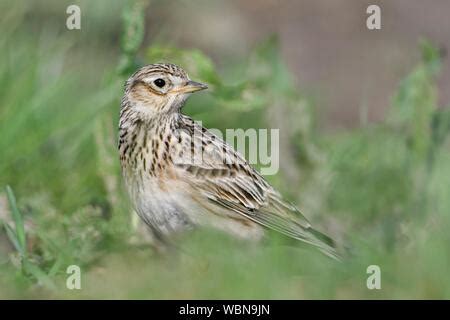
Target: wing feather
226, 179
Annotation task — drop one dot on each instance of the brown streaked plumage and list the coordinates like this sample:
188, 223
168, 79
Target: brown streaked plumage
180, 175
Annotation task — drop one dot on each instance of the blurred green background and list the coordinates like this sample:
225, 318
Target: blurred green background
364, 145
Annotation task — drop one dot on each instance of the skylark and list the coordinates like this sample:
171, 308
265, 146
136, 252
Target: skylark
179, 175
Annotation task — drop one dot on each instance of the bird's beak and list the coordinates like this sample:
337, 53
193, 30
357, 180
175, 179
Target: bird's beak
193, 86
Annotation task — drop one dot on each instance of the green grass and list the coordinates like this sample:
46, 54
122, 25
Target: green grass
381, 189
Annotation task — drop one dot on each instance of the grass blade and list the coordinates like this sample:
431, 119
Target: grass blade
18, 220
39, 275
12, 237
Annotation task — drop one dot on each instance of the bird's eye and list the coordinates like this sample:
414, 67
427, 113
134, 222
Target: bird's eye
159, 83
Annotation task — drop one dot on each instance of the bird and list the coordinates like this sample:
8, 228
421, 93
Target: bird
180, 176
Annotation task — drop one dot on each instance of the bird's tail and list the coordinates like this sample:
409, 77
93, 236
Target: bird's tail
324, 243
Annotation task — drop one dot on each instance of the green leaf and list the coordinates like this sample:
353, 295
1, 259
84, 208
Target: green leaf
431, 56
18, 220
39, 274
12, 237
441, 126
415, 103
56, 266
133, 19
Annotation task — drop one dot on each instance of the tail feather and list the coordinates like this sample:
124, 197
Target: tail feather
324, 243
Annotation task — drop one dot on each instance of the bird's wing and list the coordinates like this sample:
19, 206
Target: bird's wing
224, 178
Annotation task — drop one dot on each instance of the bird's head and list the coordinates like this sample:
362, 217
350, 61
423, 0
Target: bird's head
159, 88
